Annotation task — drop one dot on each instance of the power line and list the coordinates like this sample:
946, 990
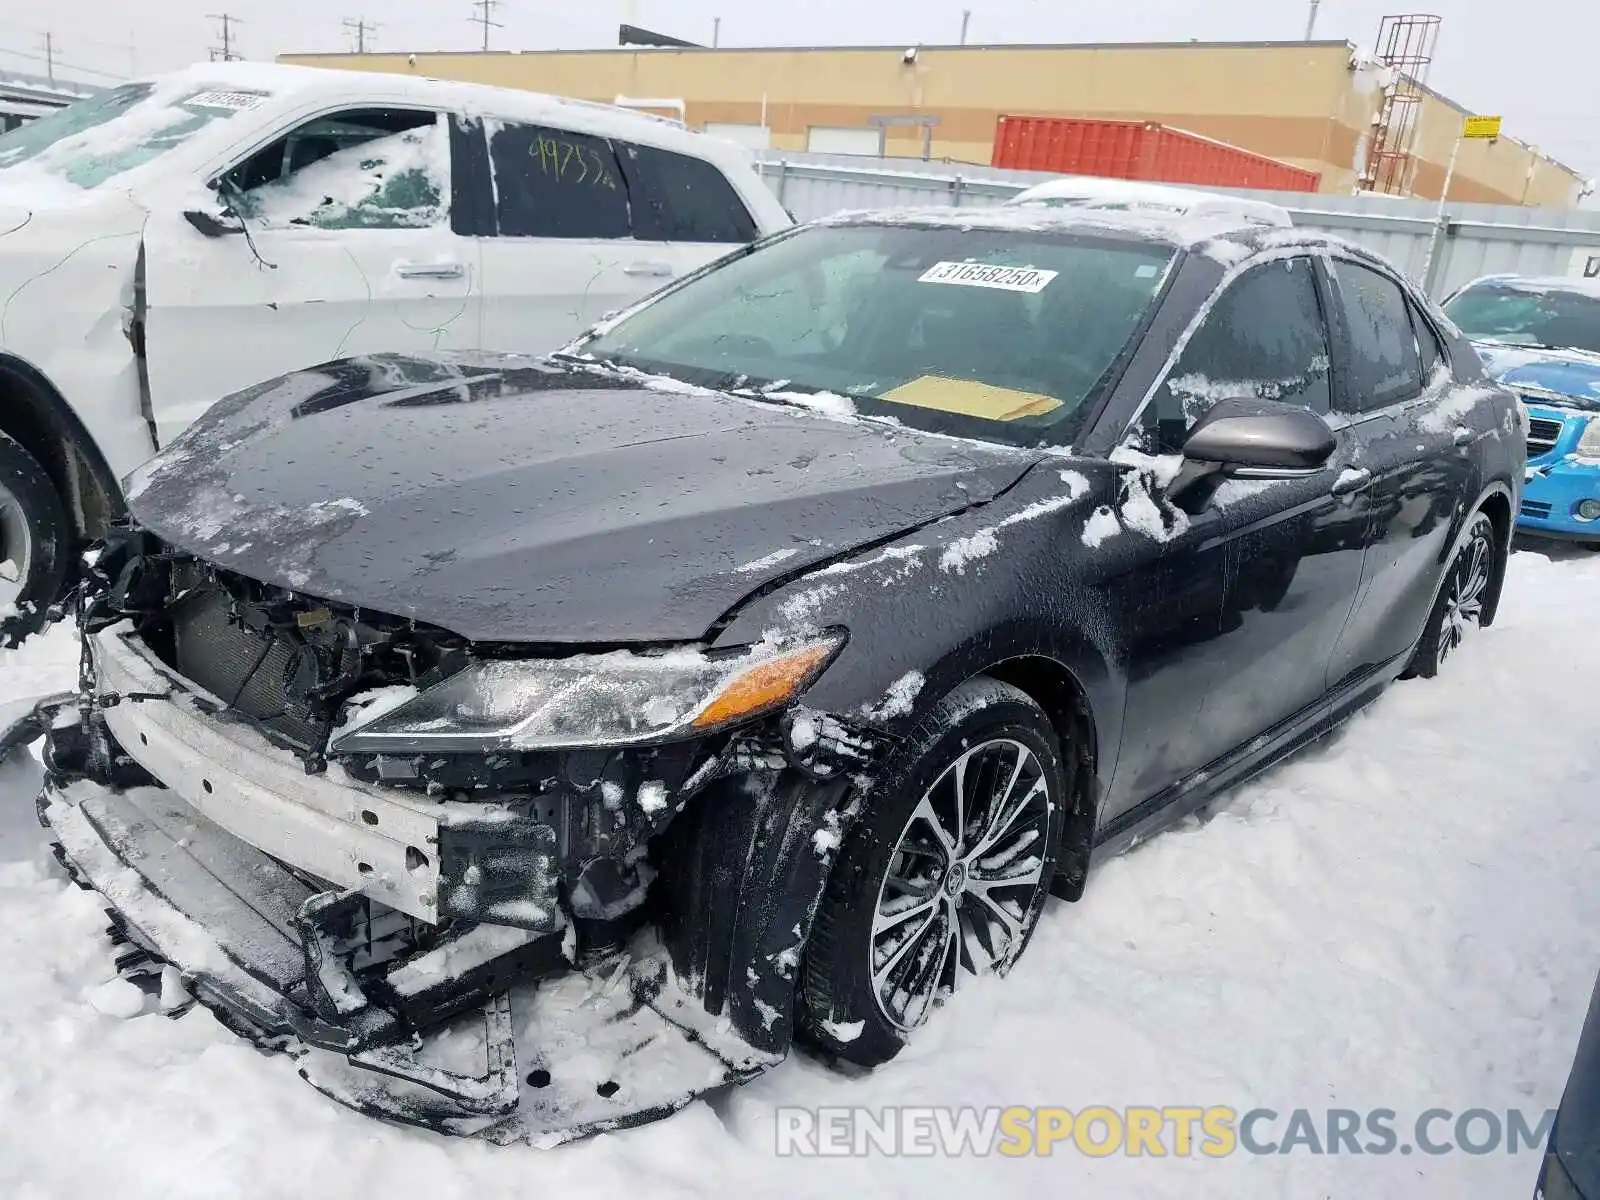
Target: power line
225, 51
61, 64
360, 27
485, 17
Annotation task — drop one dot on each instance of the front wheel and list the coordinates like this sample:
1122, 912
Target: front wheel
1459, 609
34, 536
944, 876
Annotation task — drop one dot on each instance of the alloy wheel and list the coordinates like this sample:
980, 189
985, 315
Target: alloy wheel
1469, 582
959, 895
16, 548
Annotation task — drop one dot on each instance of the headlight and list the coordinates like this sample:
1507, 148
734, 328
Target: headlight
618, 699
1589, 444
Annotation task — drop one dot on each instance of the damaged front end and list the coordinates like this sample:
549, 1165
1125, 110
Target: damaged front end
524, 896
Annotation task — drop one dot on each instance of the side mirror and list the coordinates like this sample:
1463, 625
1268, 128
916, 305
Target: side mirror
1260, 438
213, 225
1257, 439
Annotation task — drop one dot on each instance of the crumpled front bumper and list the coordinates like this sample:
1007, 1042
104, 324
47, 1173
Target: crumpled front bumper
1550, 499
546, 1061
486, 1030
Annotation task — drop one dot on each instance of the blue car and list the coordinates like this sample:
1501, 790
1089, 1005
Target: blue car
1541, 338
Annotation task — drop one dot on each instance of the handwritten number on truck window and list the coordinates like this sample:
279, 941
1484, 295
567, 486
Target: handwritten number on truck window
568, 162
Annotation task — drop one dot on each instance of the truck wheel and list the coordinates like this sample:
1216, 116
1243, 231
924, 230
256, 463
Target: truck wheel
943, 877
34, 542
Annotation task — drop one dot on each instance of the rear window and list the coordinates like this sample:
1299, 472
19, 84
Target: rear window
1001, 334
99, 138
681, 199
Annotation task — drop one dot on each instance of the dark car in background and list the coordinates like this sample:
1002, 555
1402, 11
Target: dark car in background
1571, 1169
758, 666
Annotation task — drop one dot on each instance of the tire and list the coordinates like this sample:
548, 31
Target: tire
993, 734
34, 541
1459, 607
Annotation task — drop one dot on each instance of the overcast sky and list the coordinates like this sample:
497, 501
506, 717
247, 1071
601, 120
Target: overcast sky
1532, 61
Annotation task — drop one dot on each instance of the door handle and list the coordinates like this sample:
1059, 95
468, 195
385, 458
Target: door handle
1464, 437
656, 269
439, 270
1351, 480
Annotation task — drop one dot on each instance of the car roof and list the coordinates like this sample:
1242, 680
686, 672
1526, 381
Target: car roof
1219, 236
1542, 283
1087, 191
478, 99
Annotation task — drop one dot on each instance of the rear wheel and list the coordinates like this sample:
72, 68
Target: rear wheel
1459, 609
34, 537
943, 878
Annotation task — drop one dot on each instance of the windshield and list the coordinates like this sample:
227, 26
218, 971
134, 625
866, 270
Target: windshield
96, 139
996, 334
1528, 316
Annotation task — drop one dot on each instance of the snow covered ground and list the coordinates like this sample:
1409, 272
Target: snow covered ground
1403, 917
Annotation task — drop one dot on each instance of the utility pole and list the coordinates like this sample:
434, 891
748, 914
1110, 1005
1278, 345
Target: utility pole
1311, 19
966, 19
716, 32
360, 27
485, 18
50, 56
225, 51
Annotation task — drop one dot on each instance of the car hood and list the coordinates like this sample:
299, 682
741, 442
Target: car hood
1555, 376
517, 500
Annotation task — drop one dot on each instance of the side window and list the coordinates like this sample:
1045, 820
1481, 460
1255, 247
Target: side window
1430, 353
1384, 362
552, 183
1264, 337
681, 199
363, 169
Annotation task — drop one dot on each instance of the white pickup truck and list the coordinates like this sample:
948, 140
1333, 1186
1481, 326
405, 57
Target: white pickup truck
167, 242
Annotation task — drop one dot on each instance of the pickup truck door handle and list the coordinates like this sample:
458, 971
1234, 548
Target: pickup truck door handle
436, 270
1463, 437
1351, 479
658, 269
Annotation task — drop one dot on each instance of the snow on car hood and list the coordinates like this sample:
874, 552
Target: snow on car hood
513, 500
1570, 374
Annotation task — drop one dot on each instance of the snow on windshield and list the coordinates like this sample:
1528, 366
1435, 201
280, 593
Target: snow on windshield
99, 138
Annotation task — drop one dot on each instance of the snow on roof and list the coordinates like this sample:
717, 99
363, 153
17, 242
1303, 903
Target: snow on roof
473, 98
1543, 283
1087, 191
1189, 230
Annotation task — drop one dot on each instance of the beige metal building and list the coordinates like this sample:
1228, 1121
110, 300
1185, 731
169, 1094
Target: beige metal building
1311, 104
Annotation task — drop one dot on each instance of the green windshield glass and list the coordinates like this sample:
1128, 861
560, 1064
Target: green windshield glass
986, 333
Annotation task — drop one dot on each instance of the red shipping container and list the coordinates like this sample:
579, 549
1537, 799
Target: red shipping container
1143, 150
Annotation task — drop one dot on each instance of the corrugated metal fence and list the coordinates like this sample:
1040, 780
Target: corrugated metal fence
1473, 239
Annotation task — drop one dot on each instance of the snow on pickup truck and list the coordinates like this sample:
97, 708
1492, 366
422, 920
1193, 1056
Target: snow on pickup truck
165, 243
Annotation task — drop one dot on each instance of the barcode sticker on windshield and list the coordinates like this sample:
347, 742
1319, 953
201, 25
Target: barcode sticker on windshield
233, 100
1006, 279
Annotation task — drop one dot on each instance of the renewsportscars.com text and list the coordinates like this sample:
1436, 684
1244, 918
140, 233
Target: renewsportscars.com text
1139, 1131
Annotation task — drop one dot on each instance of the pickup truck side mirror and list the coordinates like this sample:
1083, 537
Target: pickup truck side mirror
1254, 439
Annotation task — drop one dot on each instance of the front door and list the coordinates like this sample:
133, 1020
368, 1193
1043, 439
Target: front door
1235, 611
347, 249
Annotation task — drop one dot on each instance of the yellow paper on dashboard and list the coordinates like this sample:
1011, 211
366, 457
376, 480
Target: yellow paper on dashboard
970, 398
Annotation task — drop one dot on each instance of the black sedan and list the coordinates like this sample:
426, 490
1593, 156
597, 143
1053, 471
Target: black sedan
779, 648
1571, 1169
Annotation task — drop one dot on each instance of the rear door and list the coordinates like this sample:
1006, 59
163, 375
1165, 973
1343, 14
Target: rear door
583, 225
350, 247
1417, 453
1235, 610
